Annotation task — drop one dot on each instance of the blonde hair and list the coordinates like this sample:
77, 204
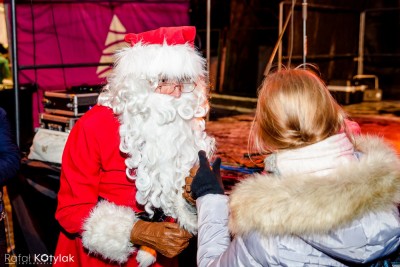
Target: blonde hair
294, 109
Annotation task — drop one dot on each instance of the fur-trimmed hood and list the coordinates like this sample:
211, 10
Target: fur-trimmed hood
309, 204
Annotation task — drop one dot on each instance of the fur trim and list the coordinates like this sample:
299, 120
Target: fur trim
306, 204
170, 61
145, 258
187, 213
107, 231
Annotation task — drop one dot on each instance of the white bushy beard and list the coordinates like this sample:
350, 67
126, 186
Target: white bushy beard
162, 140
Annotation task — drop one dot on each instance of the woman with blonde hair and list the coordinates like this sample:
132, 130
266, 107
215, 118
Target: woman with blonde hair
327, 197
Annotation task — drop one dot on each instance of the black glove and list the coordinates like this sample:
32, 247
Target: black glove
207, 181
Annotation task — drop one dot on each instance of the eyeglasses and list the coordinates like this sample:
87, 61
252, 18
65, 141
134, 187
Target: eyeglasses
169, 87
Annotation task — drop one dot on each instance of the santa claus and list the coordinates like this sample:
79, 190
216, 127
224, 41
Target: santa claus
126, 160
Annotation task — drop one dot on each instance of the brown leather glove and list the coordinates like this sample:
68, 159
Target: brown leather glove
187, 188
165, 237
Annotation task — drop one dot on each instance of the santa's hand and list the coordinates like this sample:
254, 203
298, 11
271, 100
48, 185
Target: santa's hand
207, 180
165, 237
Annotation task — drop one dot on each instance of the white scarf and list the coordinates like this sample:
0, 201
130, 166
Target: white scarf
319, 158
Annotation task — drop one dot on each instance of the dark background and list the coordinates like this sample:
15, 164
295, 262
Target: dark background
244, 33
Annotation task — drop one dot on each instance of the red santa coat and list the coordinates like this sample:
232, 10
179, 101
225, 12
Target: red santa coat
92, 168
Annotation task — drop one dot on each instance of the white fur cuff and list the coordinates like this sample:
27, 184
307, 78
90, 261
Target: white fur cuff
107, 231
145, 259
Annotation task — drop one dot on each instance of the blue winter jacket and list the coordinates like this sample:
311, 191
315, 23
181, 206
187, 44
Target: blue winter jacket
9, 151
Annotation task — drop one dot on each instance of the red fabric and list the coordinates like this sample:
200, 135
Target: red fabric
82, 32
92, 167
171, 35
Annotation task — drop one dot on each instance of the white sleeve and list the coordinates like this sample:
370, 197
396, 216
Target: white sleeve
213, 234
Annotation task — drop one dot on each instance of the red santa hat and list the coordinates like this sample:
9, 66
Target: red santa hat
165, 52
170, 35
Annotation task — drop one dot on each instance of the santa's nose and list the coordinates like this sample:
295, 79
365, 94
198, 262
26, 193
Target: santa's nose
177, 91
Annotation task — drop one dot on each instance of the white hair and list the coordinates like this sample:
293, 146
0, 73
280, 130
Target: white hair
161, 136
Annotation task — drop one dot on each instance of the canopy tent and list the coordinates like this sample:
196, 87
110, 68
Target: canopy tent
55, 40
60, 44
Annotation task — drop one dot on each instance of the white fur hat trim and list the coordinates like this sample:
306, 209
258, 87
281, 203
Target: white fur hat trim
156, 60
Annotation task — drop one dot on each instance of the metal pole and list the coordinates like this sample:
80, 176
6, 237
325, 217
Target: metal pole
280, 31
277, 44
15, 68
360, 66
304, 9
208, 44
208, 34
